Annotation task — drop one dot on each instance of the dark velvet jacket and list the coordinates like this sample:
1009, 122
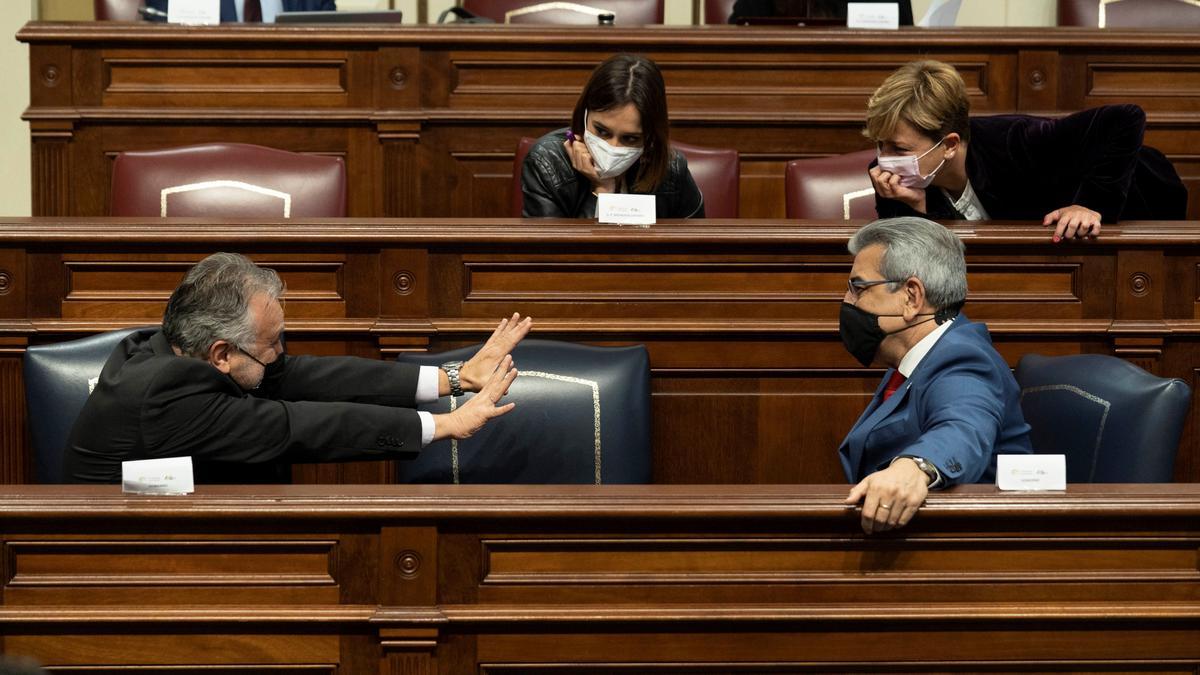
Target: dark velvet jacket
1023, 167
150, 403
552, 188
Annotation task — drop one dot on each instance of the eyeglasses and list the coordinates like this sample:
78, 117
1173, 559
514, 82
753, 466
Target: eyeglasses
855, 287
251, 357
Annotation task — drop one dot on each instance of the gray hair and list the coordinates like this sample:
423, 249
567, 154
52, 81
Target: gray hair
213, 303
916, 247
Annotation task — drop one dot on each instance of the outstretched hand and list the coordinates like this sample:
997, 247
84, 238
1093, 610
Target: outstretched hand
470, 418
476, 372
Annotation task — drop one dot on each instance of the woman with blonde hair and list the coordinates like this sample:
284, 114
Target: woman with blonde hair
937, 162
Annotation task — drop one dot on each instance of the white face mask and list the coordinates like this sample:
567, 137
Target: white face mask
610, 161
908, 169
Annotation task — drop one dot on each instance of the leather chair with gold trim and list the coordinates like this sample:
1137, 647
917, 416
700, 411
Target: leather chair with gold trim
583, 12
717, 172
582, 416
830, 188
1174, 14
228, 180
1115, 422
58, 380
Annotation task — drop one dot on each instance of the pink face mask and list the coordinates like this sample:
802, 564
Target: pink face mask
907, 167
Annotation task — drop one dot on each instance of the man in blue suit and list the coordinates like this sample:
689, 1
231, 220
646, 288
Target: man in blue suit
264, 10
948, 403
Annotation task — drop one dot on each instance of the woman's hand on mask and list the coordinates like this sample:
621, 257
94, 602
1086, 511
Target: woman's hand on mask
1073, 221
887, 185
581, 161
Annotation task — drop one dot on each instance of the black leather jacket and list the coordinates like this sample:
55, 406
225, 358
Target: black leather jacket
554, 189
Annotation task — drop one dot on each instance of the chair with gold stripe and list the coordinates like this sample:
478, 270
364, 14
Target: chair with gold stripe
227, 180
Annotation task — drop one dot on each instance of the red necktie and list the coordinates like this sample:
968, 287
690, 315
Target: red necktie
252, 11
893, 384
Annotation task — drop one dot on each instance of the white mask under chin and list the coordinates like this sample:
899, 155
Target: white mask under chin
610, 161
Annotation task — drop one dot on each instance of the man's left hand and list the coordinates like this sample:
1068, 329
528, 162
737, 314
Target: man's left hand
476, 372
891, 497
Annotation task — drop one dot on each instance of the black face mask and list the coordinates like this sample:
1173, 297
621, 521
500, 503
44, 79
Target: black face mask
862, 335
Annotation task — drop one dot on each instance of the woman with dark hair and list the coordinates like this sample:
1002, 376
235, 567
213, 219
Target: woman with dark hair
617, 142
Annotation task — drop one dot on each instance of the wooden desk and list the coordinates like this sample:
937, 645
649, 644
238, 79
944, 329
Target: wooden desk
350, 580
427, 117
750, 381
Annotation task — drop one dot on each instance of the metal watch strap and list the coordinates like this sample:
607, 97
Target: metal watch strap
452, 370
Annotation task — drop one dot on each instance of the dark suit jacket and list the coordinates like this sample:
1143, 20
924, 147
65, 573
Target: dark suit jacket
1024, 167
229, 10
960, 409
150, 403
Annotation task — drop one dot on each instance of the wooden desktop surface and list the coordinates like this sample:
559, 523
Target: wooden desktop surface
598, 579
427, 117
750, 382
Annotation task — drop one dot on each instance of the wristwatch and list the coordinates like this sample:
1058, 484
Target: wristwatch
930, 470
452, 369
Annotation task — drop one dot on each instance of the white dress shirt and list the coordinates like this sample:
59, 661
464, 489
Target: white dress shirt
427, 392
968, 204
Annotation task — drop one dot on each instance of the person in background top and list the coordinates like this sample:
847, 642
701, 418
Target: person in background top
233, 11
618, 141
937, 162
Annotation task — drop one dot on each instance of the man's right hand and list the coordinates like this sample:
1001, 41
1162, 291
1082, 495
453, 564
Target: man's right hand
470, 418
887, 185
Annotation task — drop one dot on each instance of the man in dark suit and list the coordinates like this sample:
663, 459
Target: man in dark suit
214, 384
258, 10
948, 403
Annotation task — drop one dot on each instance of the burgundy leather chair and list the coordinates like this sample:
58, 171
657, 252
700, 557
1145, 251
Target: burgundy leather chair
585, 12
117, 10
1176, 14
718, 11
228, 180
716, 171
830, 188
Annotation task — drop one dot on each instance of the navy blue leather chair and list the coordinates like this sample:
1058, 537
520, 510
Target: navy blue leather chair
57, 383
582, 416
1115, 422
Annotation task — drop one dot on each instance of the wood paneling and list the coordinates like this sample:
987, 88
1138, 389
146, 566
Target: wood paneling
750, 382
428, 117
599, 579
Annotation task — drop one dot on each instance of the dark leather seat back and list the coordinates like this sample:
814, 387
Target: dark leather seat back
58, 379
1173, 14
1115, 422
228, 180
717, 172
718, 11
583, 12
117, 10
516, 200
830, 188
582, 416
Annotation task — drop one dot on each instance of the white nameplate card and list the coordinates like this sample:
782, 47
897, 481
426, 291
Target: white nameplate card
872, 15
625, 209
1031, 472
169, 476
194, 12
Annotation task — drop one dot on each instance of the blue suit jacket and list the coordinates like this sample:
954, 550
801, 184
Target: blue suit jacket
960, 409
